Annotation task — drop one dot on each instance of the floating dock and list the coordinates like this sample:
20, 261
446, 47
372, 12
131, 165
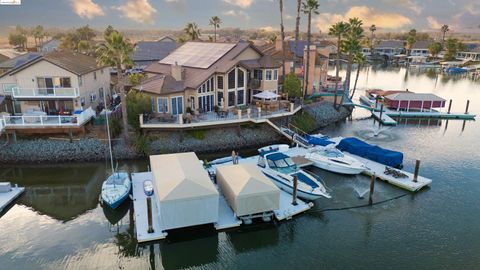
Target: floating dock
385, 118
226, 218
287, 209
7, 197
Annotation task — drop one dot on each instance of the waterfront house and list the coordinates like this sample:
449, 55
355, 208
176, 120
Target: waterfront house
399, 100
420, 48
17, 61
6, 54
148, 52
53, 90
389, 48
201, 76
472, 53
50, 46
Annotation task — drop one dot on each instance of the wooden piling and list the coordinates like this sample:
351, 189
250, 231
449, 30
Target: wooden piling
417, 169
449, 106
294, 193
466, 108
14, 136
149, 213
372, 189
381, 113
70, 135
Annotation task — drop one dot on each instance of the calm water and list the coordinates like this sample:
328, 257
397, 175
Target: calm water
58, 223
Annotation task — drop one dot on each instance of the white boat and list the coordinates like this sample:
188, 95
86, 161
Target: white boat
333, 160
281, 169
116, 189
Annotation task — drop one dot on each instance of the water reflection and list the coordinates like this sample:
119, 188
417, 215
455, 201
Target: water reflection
254, 238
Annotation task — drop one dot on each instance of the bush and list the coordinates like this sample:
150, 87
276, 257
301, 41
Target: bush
304, 121
292, 86
197, 134
141, 144
138, 103
115, 126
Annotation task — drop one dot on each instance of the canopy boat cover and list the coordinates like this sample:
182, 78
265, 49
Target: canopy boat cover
184, 192
247, 190
316, 140
372, 152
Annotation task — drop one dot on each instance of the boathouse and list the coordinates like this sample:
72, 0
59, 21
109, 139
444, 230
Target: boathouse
406, 101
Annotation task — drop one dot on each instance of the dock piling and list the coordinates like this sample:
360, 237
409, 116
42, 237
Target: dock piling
149, 214
294, 193
449, 106
381, 113
417, 169
372, 189
466, 108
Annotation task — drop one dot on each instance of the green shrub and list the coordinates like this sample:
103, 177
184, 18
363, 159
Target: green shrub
304, 121
141, 144
292, 86
138, 103
115, 126
197, 134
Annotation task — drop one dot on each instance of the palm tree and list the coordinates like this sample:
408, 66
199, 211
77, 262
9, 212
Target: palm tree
309, 7
444, 30
192, 30
411, 39
338, 30
282, 37
297, 29
360, 59
352, 46
215, 21
372, 29
115, 52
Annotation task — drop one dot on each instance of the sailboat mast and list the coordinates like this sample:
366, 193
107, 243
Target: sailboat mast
108, 130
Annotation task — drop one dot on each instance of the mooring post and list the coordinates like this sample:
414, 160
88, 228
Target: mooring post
70, 135
417, 169
294, 193
381, 113
449, 106
149, 213
14, 136
466, 108
372, 188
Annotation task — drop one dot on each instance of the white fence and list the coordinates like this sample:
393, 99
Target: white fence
54, 92
26, 121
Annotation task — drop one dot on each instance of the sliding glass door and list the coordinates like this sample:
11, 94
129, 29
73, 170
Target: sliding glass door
177, 105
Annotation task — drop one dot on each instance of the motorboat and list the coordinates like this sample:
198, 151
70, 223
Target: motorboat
116, 189
333, 160
281, 169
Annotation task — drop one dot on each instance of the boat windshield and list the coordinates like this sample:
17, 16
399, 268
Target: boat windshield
333, 153
283, 165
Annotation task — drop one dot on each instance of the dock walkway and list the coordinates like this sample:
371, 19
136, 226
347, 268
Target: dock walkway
7, 197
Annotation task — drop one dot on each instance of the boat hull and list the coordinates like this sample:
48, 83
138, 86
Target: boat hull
338, 169
115, 204
300, 193
113, 195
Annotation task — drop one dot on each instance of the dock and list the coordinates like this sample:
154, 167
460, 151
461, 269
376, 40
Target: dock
8, 197
287, 209
384, 118
226, 218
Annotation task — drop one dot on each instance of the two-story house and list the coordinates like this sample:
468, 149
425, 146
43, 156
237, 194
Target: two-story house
203, 75
54, 89
389, 48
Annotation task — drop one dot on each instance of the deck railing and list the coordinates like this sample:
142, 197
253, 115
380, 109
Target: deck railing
53, 92
33, 121
2, 125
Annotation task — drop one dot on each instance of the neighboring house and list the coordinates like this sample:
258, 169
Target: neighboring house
50, 46
56, 89
148, 52
17, 61
6, 54
389, 48
472, 53
319, 57
203, 75
420, 48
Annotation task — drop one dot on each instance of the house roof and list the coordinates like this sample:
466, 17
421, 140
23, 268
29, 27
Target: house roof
421, 44
51, 43
160, 84
10, 53
414, 96
153, 50
76, 63
390, 44
266, 61
194, 76
19, 60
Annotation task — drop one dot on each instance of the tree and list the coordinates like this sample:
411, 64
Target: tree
135, 78
85, 33
192, 31
292, 85
309, 7
282, 38
70, 42
215, 21
38, 34
83, 46
444, 30
372, 29
352, 46
272, 38
17, 40
435, 48
108, 31
297, 28
411, 39
338, 30
452, 46
115, 53
359, 58
138, 103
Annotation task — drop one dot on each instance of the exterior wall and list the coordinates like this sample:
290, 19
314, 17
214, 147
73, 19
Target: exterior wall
248, 54
404, 104
92, 88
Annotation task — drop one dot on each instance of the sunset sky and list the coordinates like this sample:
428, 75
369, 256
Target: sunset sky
388, 15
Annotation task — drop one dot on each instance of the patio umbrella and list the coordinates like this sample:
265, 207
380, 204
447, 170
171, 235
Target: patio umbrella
266, 95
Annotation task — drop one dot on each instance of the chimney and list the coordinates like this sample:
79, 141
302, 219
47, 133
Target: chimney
278, 45
177, 72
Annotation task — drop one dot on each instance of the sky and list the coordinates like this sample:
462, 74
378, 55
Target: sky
387, 15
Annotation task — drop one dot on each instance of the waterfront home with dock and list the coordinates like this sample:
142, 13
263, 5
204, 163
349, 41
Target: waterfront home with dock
389, 48
52, 92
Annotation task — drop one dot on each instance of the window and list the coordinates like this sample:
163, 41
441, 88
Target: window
220, 99
162, 105
240, 96
152, 102
275, 74
80, 80
268, 75
241, 78
258, 74
177, 105
8, 88
219, 82
231, 98
100, 93
95, 75
206, 103
231, 79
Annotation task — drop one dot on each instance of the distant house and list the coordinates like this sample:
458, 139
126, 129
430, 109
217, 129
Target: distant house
17, 61
472, 53
390, 48
148, 52
420, 48
203, 75
50, 46
6, 54
53, 90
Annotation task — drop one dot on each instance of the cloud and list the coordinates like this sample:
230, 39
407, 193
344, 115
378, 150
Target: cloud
369, 16
138, 10
268, 28
87, 8
177, 4
433, 23
239, 3
237, 13
414, 6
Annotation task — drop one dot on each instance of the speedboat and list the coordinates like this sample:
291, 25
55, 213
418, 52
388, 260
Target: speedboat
333, 160
281, 169
116, 189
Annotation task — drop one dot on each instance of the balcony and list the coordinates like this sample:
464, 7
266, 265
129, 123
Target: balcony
45, 93
42, 120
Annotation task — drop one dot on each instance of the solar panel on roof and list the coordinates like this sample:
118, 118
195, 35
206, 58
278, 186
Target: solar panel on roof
197, 54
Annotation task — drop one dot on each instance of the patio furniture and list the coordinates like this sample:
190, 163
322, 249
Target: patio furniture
222, 114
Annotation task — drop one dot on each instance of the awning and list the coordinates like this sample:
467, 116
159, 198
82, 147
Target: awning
266, 95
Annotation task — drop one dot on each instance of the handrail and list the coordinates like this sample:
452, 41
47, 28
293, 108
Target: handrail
46, 92
47, 120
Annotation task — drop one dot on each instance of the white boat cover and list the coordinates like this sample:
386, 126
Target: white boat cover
184, 192
247, 190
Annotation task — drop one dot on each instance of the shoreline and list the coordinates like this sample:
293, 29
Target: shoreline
203, 142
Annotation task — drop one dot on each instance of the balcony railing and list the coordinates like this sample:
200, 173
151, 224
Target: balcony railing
53, 92
26, 121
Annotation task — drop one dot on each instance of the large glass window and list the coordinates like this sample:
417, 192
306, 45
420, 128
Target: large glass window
162, 105
220, 99
268, 75
241, 78
275, 74
258, 74
206, 103
231, 79
231, 98
220, 82
8, 88
240, 96
177, 105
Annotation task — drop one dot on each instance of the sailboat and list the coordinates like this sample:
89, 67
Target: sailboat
116, 188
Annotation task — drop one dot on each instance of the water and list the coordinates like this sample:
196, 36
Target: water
58, 223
